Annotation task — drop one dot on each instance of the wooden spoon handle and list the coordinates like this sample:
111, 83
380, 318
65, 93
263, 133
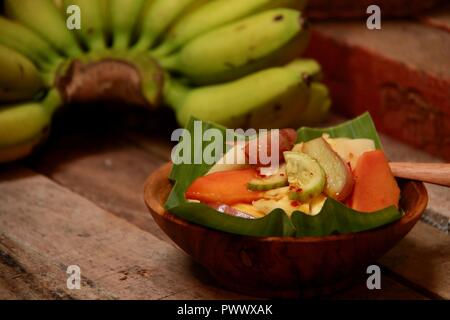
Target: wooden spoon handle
435, 173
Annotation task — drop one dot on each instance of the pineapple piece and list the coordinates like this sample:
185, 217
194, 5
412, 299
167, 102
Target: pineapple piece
351, 149
249, 209
276, 194
268, 205
298, 147
316, 204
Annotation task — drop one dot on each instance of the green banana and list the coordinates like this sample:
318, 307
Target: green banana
318, 106
239, 49
157, 18
124, 15
43, 17
23, 126
196, 4
271, 38
59, 4
25, 41
92, 25
19, 78
309, 68
106, 18
275, 97
213, 15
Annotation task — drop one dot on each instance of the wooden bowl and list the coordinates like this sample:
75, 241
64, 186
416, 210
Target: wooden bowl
282, 267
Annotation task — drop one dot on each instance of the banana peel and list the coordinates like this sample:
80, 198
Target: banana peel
19, 77
271, 38
24, 126
271, 98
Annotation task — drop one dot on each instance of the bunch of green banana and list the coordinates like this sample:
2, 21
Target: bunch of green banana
43, 17
271, 98
270, 38
124, 14
157, 17
214, 14
23, 40
92, 33
19, 78
234, 62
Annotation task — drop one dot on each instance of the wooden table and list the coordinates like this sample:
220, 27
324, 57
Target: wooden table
79, 202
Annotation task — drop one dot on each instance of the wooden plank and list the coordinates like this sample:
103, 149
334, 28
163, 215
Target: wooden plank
438, 210
15, 285
90, 164
101, 163
390, 290
422, 259
87, 175
388, 72
109, 170
40, 238
45, 228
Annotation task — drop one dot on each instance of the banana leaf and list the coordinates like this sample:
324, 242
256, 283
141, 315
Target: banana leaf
334, 218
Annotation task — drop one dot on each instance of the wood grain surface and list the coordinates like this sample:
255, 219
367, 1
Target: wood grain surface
80, 201
52, 228
283, 267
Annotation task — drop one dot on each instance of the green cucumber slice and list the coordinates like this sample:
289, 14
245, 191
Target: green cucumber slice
305, 176
275, 181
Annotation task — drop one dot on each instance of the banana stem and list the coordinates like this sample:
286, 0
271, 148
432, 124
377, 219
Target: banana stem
144, 43
74, 52
163, 50
120, 42
52, 101
170, 62
48, 71
48, 78
175, 94
97, 44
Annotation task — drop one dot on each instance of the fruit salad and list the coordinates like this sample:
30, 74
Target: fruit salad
351, 171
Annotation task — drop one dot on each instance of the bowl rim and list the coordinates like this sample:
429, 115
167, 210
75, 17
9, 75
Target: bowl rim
156, 207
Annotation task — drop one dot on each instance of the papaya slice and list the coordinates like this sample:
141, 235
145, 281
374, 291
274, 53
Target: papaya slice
226, 187
375, 186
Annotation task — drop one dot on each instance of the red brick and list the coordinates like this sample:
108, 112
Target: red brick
401, 74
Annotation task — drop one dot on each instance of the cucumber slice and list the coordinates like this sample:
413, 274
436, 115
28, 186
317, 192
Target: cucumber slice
305, 176
275, 181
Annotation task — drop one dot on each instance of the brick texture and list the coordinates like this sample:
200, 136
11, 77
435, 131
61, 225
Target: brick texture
401, 74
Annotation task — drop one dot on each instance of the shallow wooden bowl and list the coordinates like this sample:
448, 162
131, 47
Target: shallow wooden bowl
282, 267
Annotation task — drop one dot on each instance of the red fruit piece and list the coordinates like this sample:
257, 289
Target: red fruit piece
375, 186
227, 187
287, 139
